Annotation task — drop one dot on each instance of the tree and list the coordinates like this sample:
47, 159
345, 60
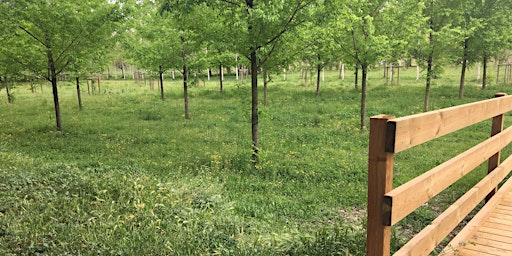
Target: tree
439, 40
152, 42
187, 16
485, 26
372, 30
260, 25
51, 35
218, 50
318, 47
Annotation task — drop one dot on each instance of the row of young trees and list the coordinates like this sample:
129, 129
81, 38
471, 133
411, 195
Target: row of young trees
51, 37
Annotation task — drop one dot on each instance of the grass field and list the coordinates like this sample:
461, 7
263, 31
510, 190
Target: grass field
129, 175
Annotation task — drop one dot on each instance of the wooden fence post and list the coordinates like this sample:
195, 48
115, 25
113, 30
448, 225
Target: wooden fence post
380, 181
494, 161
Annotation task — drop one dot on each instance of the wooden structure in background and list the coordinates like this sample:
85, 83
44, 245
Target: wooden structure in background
490, 231
507, 73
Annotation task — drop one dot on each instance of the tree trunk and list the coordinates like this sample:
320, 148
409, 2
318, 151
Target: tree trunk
9, 96
430, 61
220, 78
122, 70
99, 83
185, 78
426, 104
161, 79
254, 103
364, 74
356, 74
32, 87
318, 70
53, 78
265, 83
464, 67
484, 77
78, 93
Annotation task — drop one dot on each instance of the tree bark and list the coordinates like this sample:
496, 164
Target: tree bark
161, 79
122, 70
32, 87
220, 78
9, 96
318, 70
53, 79
254, 103
356, 74
364, 75
265, 83
185, 78
430, 61
99, 83
484, 77
464, 67
78, 93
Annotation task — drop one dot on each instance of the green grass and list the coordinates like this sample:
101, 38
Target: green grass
130, 176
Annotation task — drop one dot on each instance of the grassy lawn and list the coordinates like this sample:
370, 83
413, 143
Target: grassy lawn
130, 176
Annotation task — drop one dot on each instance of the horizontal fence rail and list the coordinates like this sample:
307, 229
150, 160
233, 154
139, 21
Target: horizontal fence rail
389, 135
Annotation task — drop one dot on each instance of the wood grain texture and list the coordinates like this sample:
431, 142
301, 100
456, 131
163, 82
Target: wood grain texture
416, 129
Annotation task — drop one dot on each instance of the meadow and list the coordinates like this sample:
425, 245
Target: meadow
129, 175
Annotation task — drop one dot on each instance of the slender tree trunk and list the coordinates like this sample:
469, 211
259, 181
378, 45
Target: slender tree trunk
220, 78
318, 70
254, 103
53, 79
356, 74
32, 87
161, 79
254, 92
185, 78
464, 67
265, 83
364, 75
122, 70
484, 77
78, 93
99, 83
9, 96
430, 60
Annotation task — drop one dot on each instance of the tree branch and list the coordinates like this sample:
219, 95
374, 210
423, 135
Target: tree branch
288, 22
231, 2
33, 36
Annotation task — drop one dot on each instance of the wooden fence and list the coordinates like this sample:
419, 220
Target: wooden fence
389, 135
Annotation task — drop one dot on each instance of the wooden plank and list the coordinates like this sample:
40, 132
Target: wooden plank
490, 208
503, 210
485, 249
501, 216
465, 252
499, 228
504, 222
401, 201
494, 244
417, 129
493, 237
427, 239
494, 161
491, 230
380, 181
